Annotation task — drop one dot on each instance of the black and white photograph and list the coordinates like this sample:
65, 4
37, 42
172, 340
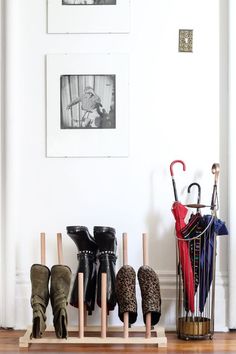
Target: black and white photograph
88, 101
88, 2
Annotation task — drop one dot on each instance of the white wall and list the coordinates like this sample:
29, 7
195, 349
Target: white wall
1, 129
232, 170
174, 114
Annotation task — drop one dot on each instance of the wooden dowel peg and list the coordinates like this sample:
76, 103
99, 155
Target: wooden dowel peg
145, 263
125, 249
125, 262
104, 306
148, 325
42, 248
81, 304
145, 250
59, 248
126, 325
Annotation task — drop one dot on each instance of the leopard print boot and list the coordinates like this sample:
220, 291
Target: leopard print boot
150, 291
125, 293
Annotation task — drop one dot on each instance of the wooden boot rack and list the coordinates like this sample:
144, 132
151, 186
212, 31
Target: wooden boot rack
102, 334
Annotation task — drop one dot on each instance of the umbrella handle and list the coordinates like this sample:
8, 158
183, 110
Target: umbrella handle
215, 170
173, 163
172, 175
199, 192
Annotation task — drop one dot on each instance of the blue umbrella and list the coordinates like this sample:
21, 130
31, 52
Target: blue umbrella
216, 227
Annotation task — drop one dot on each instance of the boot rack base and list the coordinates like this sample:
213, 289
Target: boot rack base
137, 336
102, 334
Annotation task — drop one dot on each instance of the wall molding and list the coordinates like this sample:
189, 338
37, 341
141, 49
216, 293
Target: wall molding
167, 278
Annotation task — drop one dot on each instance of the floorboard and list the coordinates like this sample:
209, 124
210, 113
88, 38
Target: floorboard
221, 343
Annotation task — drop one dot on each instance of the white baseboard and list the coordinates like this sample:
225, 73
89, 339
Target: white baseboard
168, 294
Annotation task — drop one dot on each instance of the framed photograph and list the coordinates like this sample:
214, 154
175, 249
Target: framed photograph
88, 16
88, 101
87, 105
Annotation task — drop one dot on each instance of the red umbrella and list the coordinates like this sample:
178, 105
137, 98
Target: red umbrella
180, 211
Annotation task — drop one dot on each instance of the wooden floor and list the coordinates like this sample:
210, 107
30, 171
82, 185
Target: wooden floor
221, 343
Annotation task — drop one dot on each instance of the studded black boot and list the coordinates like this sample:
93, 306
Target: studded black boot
107, 245
87, 250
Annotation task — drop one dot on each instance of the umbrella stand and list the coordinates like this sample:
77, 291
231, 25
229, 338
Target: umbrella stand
195, 264
197, 324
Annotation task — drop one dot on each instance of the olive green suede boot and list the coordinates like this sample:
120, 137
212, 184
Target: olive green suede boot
59, 291
39, 275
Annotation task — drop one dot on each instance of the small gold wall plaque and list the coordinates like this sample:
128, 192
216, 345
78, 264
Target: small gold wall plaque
185, 40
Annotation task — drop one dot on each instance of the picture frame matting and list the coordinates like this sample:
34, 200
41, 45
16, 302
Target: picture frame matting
104, 79
88, 18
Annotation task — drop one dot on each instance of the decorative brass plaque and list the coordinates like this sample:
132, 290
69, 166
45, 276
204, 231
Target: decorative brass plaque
185, 40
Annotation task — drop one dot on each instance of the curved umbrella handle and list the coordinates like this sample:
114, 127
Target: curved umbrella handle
172, 175
173, 163
214, 199
199, 190
216, 170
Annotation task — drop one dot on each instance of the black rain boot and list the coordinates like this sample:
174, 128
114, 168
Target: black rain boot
59, 291
39, 276
107, 245
87, 250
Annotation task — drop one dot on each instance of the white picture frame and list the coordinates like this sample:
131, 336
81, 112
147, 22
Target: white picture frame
88, 18
83, 140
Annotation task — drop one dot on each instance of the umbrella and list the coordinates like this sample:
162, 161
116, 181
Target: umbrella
180, 211
191, 231
214, 227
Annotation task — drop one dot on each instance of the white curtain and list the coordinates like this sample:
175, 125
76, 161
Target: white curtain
8, 162
232, 164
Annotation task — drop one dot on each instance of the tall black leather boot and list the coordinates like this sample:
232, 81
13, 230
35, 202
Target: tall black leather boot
107, 245
87, 250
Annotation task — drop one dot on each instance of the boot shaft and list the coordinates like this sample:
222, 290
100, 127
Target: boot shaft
59, 291
85, 242
105, 238
39, 276
60, 285
87, 250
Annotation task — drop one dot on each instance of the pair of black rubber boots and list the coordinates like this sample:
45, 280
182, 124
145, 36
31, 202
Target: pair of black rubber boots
100, 247
58, 294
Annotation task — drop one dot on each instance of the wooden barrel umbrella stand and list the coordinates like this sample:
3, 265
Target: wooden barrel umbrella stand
103, 334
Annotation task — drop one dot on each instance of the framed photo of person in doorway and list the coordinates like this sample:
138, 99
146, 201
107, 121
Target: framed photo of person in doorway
87, 105
88, 101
